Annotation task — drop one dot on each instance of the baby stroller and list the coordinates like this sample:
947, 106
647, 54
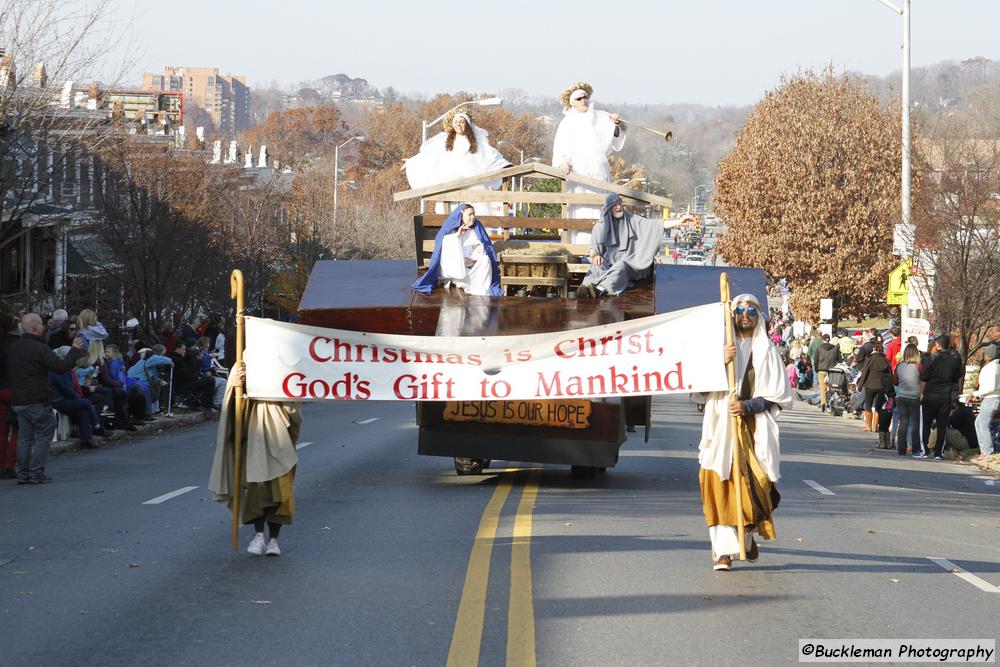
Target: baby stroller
838, 393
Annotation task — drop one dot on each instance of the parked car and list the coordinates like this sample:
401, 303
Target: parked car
695, 259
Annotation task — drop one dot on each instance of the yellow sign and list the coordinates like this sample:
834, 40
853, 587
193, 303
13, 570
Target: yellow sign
899, 284
564, 413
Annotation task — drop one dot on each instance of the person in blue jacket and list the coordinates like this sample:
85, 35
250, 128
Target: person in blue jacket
147, 372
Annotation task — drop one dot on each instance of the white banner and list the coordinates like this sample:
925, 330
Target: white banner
678, 352
921, 328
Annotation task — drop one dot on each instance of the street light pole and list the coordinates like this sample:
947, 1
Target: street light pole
904, 11
336, 175
424, 125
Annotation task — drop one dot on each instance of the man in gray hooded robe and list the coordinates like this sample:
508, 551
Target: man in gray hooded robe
622, 248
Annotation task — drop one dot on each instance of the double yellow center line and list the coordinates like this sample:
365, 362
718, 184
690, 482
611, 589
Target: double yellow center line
467, 638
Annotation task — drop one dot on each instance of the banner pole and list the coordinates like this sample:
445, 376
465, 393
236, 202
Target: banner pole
736, 477
236, 292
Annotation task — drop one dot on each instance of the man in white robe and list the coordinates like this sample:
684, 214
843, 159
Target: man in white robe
584, 139
762, 392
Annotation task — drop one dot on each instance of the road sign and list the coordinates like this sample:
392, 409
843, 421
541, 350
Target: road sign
899, 284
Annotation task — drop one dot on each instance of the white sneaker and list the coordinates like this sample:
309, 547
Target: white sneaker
272, 548
257, 545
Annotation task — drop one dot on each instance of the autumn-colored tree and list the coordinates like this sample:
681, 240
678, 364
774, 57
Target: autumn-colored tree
298, 135
623, 173
811, 192
958, 234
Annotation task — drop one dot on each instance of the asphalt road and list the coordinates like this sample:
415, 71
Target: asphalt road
380, 566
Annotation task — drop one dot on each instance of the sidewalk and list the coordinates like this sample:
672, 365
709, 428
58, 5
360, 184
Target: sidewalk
148, 428
990, 464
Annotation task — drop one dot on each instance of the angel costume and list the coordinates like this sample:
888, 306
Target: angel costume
583, 141
436, 164
479, 276
763, 388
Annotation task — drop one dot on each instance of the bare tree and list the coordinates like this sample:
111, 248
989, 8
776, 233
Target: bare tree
47, 46
958, 235
150, 214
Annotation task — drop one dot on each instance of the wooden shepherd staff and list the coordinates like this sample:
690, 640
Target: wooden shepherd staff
736, 476
236, 292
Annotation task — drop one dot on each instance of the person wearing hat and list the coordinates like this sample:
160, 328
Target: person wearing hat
762, 392
584, 139
462, 150
622, 248
989, 395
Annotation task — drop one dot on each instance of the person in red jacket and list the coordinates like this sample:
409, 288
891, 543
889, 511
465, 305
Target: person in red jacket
893, 347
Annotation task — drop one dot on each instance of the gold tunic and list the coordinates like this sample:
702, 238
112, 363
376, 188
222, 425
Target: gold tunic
760, 497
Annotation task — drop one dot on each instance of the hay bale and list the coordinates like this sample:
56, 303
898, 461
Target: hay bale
515, 248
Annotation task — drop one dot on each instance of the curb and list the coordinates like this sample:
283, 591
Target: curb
149, 428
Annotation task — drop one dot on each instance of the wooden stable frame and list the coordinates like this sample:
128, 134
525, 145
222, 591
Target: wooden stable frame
530, 170
426, 226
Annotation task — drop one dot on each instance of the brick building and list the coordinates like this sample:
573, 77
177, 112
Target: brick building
226, 98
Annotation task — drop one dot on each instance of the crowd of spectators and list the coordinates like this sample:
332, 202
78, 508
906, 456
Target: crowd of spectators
64, 365
912, 399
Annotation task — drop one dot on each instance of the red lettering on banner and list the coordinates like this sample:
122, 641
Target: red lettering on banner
349, 388
425, 387
605, 346
674, 380
553, 388
559, 351
312, 348
300, 387
611, 382
363, 391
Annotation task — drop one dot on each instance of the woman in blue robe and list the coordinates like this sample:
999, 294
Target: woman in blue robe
463, 256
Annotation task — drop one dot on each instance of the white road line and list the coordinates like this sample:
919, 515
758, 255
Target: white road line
819, 487
167, 496
368, 421
303, 444
962, 574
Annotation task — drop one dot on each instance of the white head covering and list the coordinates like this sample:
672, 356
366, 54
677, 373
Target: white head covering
572, 96
464, 116
715, 452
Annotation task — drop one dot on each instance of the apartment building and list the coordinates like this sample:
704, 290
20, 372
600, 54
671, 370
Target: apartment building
226, 98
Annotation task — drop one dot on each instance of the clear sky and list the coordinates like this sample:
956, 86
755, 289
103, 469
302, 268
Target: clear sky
712, 52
